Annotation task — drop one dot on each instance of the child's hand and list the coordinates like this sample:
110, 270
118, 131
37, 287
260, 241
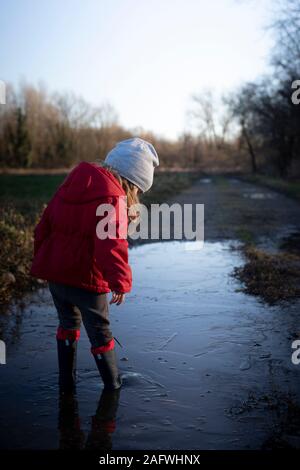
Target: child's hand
117, 298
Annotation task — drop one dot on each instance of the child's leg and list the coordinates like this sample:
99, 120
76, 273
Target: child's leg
67, 336
95, 319
95, 316
69, 316
94, 312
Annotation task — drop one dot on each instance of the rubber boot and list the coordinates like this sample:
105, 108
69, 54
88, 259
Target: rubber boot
67, 355
108, 369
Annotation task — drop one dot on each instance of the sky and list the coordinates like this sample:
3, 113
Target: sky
145, 57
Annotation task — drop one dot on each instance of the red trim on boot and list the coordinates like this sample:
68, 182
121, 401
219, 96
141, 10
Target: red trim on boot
99, 425
63, 334
109, 426
106, 347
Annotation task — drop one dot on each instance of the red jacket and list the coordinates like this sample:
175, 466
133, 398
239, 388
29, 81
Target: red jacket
66, 247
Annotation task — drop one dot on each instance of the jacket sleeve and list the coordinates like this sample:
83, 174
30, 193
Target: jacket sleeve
111, 256
41, 230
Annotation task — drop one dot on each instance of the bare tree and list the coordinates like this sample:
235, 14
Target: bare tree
203, 114
286, 29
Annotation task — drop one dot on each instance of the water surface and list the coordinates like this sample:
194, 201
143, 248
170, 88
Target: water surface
204, 365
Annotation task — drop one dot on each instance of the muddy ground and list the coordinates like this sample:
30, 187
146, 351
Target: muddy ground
205, 366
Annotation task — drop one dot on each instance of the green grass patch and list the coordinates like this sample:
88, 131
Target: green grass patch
35, 190
221, 181
245, 235
28, 193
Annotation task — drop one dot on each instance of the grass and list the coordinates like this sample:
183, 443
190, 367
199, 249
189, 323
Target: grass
16, 234
22, 198
273, 277
221, 181
245, 235
289, 187
39, 187
28, 193
168, 184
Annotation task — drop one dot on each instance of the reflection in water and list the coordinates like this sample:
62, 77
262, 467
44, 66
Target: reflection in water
103, 422
70, 434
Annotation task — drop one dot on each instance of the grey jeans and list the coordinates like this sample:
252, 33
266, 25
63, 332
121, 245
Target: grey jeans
75, 305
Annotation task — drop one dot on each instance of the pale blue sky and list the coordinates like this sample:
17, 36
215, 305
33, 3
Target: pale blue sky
145, 57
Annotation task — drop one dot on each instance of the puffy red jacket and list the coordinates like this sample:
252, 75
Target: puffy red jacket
66, 247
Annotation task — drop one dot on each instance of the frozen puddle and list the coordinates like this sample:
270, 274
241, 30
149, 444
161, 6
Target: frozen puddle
195, 353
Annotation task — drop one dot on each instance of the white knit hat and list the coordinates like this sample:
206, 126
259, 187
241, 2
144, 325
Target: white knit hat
135, 160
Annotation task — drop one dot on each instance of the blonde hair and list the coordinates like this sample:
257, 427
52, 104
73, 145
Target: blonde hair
129, 188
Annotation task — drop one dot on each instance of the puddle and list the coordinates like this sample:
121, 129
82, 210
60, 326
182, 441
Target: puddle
193, 348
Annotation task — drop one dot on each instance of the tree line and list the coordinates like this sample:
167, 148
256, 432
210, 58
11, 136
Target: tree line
43, 130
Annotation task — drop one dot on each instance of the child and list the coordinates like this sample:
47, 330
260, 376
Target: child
81, 267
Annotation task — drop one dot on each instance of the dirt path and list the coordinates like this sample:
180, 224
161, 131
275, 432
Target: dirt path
205, 366
235, 209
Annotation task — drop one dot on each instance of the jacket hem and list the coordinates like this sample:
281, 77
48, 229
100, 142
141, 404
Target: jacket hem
81, 285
